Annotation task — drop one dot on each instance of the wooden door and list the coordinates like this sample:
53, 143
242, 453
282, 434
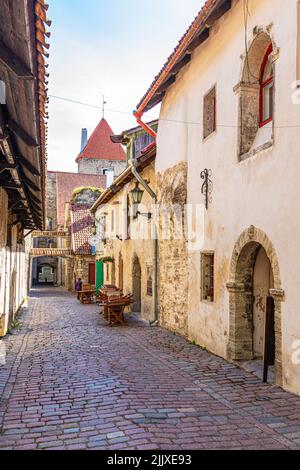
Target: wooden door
92, 273
269, 346
99, 275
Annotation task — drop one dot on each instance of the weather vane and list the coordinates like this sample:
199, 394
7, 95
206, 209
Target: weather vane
103, 106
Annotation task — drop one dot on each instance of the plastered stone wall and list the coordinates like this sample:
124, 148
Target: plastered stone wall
261, 191
173, 273
51, 198
81, 268
125, 251
96, 167
13, 280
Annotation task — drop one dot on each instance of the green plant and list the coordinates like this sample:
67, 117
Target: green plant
15, 325
84, 188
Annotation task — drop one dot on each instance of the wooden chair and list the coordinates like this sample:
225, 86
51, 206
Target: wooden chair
113, 309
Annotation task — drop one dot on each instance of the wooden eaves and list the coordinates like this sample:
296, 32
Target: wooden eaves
23, 115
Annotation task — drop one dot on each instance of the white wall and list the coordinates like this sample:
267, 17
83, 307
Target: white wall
262, 191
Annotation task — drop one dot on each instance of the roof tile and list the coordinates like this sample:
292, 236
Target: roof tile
100, 146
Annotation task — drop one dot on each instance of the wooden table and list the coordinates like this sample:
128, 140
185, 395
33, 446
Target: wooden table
113, 308
86, 296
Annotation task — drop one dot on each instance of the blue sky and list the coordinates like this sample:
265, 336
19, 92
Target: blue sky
109, 47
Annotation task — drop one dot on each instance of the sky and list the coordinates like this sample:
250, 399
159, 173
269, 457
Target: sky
113, 48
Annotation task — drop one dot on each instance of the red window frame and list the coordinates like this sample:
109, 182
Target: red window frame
263, 85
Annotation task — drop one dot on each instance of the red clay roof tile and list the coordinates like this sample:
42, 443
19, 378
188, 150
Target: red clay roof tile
100, 147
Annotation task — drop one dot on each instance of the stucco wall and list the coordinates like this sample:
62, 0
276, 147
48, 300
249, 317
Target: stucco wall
262, 190
128, 249
13, 278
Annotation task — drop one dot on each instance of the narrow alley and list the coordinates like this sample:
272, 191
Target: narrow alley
72, 382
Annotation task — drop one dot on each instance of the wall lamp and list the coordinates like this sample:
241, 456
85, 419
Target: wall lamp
137, 196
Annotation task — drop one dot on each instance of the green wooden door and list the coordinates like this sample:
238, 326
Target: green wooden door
99, 275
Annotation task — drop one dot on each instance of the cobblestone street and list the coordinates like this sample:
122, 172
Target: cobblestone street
71, 382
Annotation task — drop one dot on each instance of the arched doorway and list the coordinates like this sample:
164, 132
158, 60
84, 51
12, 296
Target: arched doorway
255, 297
45, 274
136, 284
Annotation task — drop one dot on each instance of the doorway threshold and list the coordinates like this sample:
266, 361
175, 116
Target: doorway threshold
255, 366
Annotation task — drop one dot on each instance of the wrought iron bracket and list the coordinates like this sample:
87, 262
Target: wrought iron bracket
207, 186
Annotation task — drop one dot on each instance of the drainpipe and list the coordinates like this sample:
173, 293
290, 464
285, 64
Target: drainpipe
144, 126
132, 165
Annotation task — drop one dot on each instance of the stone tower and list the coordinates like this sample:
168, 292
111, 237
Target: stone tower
99, 156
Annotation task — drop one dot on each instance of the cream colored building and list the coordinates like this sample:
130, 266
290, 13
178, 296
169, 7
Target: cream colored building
230, 105
126, 247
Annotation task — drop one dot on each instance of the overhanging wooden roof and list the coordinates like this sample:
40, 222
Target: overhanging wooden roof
147, 157
23, 114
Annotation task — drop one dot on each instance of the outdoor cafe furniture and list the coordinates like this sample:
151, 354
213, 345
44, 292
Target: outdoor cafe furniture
114, 306
87, 296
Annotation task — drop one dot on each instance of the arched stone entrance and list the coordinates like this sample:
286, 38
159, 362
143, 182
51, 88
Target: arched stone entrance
38, 265
136, 284
46, 273
253, 257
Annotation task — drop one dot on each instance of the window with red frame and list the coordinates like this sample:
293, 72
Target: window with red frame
266, 89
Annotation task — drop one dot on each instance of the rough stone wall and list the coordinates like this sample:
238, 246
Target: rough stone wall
96, 167
249, 108
51, 199
173, 258
81, 268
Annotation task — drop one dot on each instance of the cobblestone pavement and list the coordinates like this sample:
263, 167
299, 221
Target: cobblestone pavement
71, 382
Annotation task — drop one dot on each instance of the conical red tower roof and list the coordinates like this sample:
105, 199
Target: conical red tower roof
100, 147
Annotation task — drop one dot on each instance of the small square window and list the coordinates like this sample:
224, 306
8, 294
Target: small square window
209, 113
207, 276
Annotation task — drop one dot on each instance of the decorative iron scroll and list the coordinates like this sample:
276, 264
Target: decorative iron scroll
207, 186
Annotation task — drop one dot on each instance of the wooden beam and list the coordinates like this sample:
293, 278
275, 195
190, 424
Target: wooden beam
9, 184
26, 164
166, 84
30, 183
198, 40
5, 166
157, 98
184, 61
22, 134
34, 198
220, 11
16, 65
14, 201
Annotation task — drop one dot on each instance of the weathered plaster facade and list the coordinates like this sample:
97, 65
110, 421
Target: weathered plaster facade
13, 267
173, 255
130, 258
255, 199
